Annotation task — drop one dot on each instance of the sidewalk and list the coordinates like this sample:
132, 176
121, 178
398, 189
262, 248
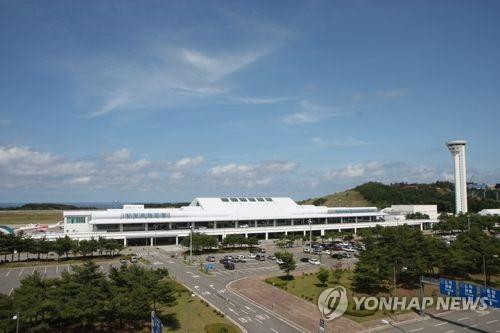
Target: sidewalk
295, 309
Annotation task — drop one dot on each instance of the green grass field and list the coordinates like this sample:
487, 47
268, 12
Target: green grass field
201, 316
15, 217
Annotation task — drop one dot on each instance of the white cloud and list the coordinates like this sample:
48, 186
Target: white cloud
118, 156
188, 162
312, 113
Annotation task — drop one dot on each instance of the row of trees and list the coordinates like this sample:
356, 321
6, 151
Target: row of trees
13, 246
409, 254
202, 242
85, 298
452, 224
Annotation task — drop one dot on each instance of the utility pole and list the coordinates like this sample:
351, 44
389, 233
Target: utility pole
468, 223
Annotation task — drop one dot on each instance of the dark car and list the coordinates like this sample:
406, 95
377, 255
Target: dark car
304, 259
225, 260
261, 257
229, 265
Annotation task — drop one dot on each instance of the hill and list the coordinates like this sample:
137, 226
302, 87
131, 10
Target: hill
349, 198
383, 195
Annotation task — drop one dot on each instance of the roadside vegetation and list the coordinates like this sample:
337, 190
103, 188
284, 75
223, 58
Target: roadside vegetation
18, 248
85, 300
203, 243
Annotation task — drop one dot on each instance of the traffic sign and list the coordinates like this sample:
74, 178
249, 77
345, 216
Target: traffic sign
492, 296
448, 287
156, 324
468, 290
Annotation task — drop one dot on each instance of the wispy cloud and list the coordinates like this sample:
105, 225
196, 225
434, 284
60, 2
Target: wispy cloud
310, 112
345, 141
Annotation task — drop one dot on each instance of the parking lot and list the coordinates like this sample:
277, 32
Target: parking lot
11, 277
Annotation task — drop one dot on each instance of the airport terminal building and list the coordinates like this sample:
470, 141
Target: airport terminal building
262, 217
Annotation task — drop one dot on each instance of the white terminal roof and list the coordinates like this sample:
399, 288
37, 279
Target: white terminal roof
226, 208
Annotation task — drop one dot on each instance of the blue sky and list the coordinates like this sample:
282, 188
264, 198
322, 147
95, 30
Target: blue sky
165, 101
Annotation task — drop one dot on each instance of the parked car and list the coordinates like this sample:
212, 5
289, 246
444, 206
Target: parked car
123, 261
226, 259
229, 265
314, 261
260, 257
337, 255
262, 250
271, 257
304, 259
279, 261
133, 259
240, 258
252, 255
211, 259
325, 252
307, 249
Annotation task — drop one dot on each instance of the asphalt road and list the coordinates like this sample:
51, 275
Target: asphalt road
452, 322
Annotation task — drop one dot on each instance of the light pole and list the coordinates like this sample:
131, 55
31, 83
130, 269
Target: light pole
310, 236
191, 244
16, 317
395, 285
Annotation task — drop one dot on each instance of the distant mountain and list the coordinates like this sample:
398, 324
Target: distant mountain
46, 206
383, 195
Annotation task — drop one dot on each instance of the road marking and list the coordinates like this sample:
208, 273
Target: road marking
11, 290
449, 331
33, 270
483, 314
196, 287
57, 269
236, 313
231, 303
21, 272
474, 325
10, 270
491, 321
248, 308
258, 320
464, 318
440, 324
275, 331
243, 311
416, 329
45, 272
195, 276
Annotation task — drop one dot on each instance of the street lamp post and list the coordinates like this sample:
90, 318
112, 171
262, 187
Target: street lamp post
310, 236
191, 244
16, 317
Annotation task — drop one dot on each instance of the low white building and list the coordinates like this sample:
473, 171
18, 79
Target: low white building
486, 212
262, 217
400, 211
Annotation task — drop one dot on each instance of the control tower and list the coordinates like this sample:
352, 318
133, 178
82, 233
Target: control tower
457, 150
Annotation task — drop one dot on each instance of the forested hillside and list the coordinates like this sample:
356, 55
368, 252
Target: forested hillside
383, 195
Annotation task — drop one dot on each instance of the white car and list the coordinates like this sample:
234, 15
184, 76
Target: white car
252, 255
240, 258
243, 225
314, 261
279, 261
326, 252
307, 249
